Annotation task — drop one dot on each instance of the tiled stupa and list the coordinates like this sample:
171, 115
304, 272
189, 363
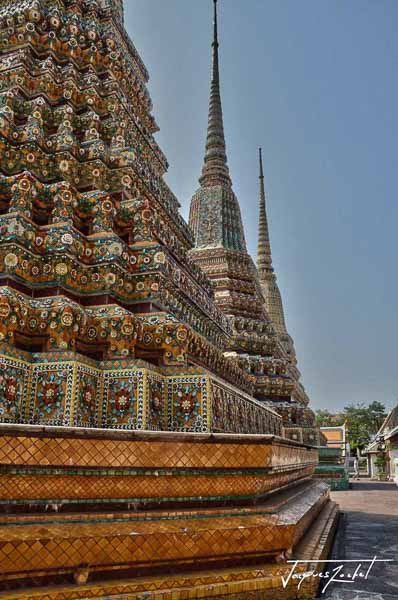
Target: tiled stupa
248, 295
139, 453
299, 420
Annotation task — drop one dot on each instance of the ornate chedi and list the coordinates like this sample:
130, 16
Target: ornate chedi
130, 386
299, 420
266, 273
259, 344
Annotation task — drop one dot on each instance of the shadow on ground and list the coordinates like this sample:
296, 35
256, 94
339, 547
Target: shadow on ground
370, 485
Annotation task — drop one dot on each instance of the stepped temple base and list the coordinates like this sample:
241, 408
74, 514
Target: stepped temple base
260, 581
114, 514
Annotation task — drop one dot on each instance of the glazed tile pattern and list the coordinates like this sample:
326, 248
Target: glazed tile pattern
37, 467
14, 389
88, 394
45, 487
51, 394
84, 449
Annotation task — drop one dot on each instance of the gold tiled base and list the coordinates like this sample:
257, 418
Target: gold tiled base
136, 487
255, 583
64, 466
78, 448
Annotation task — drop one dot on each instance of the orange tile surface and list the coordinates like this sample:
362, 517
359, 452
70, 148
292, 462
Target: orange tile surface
159, 450
148, 539
238, 583
63, 487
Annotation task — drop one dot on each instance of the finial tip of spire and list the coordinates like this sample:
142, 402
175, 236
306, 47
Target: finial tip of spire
260, 151
215, 40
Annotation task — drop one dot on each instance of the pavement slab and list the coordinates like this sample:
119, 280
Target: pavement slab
368, 529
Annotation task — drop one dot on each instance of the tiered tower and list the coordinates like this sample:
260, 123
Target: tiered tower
259, 344
220, 251
129, 386
299, 420
266, 273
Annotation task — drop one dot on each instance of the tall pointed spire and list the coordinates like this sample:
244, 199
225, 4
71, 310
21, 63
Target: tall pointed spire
215, 169
264, 258
215, 216
272, 295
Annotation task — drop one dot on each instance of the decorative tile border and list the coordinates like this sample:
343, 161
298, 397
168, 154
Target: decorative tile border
64, 389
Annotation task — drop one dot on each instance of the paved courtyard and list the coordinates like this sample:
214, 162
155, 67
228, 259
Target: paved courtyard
369, 528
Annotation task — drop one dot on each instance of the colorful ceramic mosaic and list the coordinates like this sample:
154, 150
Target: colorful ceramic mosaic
64, 389
88, 394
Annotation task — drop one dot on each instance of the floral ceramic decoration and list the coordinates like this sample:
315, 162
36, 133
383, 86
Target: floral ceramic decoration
86, 406
11, 387
122, 403
187, 406
50, 398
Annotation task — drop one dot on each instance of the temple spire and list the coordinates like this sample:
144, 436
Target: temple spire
264, 258
215, 216
267, 277
215, 169
215, 37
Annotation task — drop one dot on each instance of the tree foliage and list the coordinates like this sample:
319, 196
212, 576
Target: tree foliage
324, 418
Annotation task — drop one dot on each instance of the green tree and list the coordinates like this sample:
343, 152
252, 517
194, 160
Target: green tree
324, 418
363, 422
377, 415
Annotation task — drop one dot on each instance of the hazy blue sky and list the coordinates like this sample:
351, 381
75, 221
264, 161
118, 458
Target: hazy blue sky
315, 83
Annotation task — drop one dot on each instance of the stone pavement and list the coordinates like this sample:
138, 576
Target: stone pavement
368, 528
